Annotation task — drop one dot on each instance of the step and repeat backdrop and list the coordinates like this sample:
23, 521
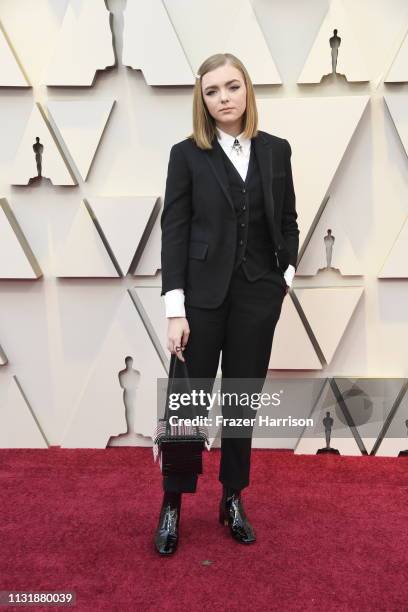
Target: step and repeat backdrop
93, 94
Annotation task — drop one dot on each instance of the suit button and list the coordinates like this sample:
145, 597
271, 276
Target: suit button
241, 242
244, 207
244, 259
243, 190
242, 224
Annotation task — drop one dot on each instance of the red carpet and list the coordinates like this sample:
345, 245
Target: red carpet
332, 533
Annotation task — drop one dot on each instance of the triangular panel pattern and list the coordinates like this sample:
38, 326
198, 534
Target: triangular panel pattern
369, 401
291, 347
313, 437
146, 24
83, 253
397, 106
123, 221
350, 61
343, 257
53, 165
3, 357
16, 257
396, 264
84, 45
319, 131
150, 260
81, 124
398, 72
18, 428
100, 411
395, 438
237, 31
328, 311
11, 74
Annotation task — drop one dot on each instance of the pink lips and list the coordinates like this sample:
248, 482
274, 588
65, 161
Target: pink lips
226, 109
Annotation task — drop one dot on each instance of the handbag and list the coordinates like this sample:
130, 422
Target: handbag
179, 446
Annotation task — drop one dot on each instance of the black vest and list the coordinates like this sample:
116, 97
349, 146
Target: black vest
255, 249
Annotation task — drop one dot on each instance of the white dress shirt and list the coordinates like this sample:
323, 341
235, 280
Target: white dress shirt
174, 299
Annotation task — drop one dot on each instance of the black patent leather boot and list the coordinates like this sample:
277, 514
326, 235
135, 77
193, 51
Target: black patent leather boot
166, 536
232, 514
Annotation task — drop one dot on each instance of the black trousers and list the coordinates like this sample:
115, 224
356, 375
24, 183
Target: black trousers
241, 329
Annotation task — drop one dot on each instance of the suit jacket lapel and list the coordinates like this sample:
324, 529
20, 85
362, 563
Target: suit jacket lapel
264, 156
214, 157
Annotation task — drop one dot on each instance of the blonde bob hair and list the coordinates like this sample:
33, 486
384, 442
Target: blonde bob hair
204, 128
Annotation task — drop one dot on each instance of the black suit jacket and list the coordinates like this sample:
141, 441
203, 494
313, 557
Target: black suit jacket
198, 220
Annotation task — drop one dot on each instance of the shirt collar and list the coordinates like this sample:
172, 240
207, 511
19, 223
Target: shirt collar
226, 140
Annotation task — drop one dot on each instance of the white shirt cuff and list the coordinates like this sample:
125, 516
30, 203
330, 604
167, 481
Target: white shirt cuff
174, 303
289, 274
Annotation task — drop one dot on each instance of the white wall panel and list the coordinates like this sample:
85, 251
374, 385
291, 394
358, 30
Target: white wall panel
236, 30
328, 311
349, 158
18, 427
122, 222
101, 412
17, 260
83, 254
319, 130
350, 61
3, 357
151, 45
292, 348
53, 165
11, 74
83, 46
398, 72
396, 264
80, 123
332, 250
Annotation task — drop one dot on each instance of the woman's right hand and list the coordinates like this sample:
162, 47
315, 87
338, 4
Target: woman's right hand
178, 332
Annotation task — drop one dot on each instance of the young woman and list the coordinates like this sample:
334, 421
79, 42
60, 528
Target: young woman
229, 252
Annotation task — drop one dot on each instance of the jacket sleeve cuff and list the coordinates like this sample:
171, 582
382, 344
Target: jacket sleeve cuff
174, 303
